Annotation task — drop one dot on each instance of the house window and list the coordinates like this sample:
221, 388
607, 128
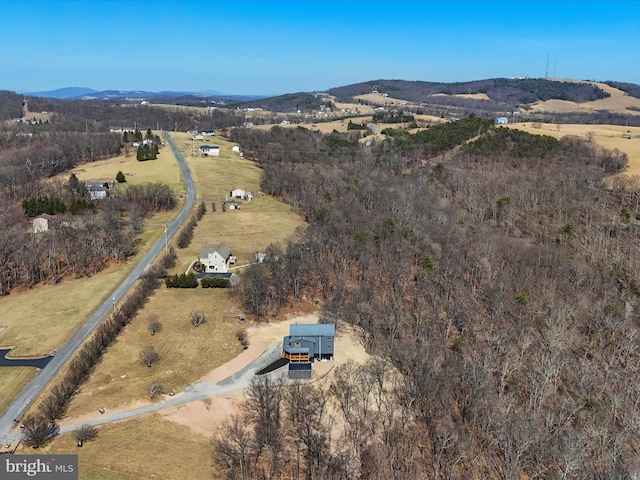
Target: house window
297, 344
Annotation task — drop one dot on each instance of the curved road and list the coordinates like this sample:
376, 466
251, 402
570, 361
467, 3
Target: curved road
24, 399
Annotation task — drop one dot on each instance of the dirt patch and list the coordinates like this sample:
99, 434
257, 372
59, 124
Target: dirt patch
205, 417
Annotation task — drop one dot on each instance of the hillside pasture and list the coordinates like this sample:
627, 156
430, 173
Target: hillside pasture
607, 136
617, 102
164, 169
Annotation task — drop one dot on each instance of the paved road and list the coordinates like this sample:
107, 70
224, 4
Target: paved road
22, 401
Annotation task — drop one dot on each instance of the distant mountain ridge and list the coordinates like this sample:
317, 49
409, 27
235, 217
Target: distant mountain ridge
83, 93
63, 93
500, 91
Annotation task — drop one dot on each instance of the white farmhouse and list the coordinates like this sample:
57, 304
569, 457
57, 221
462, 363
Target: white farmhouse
210, 150
216, 258
237, 193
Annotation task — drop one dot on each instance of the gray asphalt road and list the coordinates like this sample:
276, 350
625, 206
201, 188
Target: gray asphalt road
22, 401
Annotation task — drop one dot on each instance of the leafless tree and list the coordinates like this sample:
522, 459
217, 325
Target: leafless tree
38, 431
149, 356
154, 325
153, 389
233, 450
85, 433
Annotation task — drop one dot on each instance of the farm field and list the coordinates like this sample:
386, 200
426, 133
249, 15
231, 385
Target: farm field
140, 449
608, 136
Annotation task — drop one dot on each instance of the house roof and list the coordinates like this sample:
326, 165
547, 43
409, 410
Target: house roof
313, 330
223, 250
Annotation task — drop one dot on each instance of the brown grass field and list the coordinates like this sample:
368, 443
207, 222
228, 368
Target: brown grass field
188, 352
13, 380
140, 449
608, 136
152, 447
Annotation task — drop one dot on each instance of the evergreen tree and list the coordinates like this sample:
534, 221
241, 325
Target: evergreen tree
120, 178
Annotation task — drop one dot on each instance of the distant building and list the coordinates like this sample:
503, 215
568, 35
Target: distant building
501, 121
237, 193
208, 133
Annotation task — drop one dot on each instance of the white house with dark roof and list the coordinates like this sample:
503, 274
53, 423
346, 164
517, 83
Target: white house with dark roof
216, 258
211, 150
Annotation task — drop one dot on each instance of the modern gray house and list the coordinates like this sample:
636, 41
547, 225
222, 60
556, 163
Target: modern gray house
306, 344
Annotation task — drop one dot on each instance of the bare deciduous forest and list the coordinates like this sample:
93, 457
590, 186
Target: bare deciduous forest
499, 280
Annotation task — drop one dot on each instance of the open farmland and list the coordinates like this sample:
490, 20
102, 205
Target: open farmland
607, 136
188, 352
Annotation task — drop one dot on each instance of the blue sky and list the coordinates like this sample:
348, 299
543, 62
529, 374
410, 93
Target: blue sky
273, 47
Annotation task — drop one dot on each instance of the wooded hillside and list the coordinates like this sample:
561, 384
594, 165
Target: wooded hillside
500, 282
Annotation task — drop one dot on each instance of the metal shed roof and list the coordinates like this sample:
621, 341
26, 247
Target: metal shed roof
313, 330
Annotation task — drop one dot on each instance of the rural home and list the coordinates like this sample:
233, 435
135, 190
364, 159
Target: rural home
501, 121
216, 258
237, 193
210, 150
197, 137
97, 189
306, 344
236, 148
208, 133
